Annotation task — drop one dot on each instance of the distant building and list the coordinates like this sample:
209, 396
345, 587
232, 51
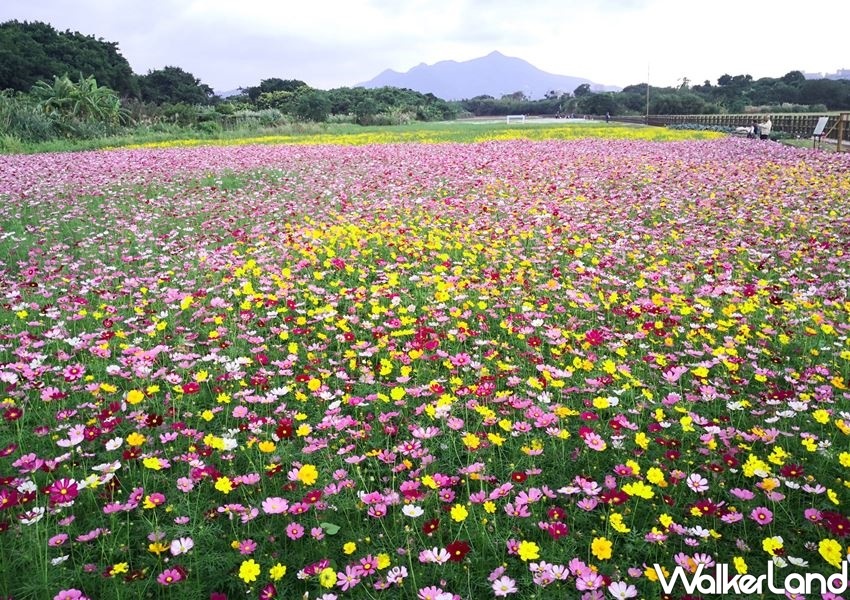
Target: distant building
839, 74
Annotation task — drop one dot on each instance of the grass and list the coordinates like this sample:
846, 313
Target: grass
317, 133
826, 145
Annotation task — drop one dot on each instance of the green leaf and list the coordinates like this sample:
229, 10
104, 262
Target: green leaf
330, 528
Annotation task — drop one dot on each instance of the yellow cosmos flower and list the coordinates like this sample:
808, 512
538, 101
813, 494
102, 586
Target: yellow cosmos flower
327, 578
136, 439
224, 485
528, 551
308, 474
249, 571
277, 572
831, 552
459, 513
601, 548
135, 396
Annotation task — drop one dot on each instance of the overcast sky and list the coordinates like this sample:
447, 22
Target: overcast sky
328, 43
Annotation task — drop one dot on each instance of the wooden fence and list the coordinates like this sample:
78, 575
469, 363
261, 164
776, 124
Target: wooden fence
800, 125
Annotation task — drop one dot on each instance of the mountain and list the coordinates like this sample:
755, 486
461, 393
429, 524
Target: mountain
494, 75
229, 93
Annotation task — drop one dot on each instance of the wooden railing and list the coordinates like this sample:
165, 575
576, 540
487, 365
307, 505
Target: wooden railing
797, 124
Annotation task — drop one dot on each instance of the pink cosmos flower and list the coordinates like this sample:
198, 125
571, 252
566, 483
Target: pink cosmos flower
761, 515
697, 483
349, 578
275, 506
594, 441
622, 590
294, 531
397, 575
503, 586
433, 593
70, 594
181, 545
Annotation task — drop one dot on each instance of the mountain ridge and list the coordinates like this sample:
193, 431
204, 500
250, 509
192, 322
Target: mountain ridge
492, 75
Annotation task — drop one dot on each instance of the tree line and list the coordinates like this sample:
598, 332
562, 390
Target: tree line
66, 84
731, 94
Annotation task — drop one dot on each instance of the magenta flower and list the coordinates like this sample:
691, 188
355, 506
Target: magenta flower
170, 577
761, 515
63, 490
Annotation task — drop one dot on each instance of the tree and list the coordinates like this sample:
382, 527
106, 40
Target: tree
681, 103
312, 105
280, 100
174, 85
274, 84
365, 110
582, 90
834, 94
598, 104
32, 52
793, 78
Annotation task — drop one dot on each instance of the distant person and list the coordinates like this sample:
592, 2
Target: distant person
754, 130
764, 128
607, 117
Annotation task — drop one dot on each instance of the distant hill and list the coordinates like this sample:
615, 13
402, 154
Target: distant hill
493, 75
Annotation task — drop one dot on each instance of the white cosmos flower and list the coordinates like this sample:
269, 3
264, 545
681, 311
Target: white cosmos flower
413, 511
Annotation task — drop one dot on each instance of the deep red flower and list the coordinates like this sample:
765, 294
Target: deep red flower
730, 461
836, 523
193, 387
284, 429
792, 471
558, 530
8, 498
556, 513
312, 496
431, 526
13, 413
458, 549
614, 497
131, 453
519, 476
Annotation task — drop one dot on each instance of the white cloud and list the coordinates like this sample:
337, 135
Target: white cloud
330, 43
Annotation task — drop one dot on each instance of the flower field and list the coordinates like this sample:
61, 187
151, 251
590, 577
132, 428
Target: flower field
513, 368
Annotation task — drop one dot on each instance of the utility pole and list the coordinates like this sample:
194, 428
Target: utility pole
647, 93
